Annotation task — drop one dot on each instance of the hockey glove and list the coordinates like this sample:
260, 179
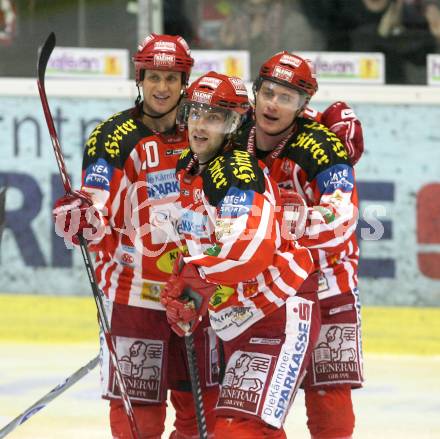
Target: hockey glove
295, 213
340, 119
75, 215
186, 297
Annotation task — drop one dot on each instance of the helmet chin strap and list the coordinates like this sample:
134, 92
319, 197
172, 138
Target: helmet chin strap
291, 124
155, 116
159, 116
218, 151
255, 89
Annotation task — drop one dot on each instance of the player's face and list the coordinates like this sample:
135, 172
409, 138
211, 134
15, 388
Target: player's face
161, 90
206, 128
276, 107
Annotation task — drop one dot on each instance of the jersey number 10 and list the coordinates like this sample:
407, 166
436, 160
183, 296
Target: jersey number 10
152, 152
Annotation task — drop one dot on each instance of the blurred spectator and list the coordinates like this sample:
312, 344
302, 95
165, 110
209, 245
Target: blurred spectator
176, 20
432, 14
7, 21
265, 27
34, 19
404, 30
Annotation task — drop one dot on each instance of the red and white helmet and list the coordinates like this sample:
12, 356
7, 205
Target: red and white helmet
220, 92
289, 70
163, 52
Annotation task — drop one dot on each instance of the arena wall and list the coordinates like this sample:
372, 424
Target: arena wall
398, 179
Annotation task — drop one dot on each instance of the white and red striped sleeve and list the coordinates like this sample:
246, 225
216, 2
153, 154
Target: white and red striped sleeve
245, 243
105, 179
334, 215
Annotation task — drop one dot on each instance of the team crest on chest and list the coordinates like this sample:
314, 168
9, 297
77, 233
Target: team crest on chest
287, 166
197, 195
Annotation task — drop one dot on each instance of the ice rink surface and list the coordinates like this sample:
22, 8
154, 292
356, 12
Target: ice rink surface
401, 397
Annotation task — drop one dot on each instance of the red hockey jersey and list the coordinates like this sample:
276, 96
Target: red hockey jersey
130, 173
315, 164
232, 228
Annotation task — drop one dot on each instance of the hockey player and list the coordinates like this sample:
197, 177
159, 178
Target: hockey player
242, 263
305, 158
125, 211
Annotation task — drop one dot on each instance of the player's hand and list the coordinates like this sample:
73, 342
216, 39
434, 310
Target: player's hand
342, 120
74, 214
186, 297
295, 213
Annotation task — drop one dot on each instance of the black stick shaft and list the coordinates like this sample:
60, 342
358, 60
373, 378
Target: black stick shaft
43, 59
196, 388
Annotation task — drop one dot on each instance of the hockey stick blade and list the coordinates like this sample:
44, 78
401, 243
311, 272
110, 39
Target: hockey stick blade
44, 55
43, 58
46, 399
2, 211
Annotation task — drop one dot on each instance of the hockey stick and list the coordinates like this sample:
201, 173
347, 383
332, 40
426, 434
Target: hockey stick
46, 399
2, 211
43, 58
191, 355
196, 388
